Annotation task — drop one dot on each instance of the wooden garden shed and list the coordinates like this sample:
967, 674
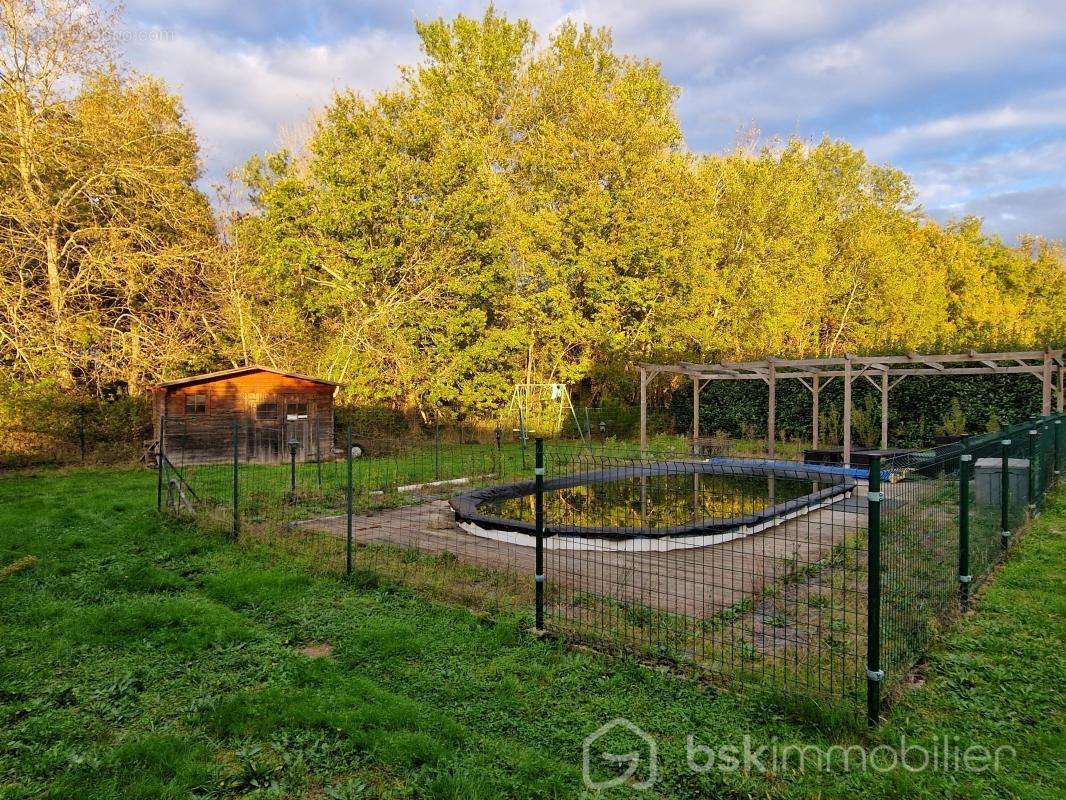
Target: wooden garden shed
267, 410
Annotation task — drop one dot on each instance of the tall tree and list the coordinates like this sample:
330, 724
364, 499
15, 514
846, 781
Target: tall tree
516, 211
103, 237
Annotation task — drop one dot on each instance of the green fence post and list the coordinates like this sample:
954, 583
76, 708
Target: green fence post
538, 481
965, 469
522, 435
293, 444
236, 485
499, 453
1004, 495
436, 451
318, 452
159, 463
1057, 432
1033, 435
348, 504
874, 674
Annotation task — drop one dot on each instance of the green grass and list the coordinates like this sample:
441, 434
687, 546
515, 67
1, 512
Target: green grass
143, 658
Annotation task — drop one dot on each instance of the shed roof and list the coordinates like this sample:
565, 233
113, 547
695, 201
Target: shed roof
231, 373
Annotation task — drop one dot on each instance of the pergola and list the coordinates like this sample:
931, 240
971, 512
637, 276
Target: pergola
884, 372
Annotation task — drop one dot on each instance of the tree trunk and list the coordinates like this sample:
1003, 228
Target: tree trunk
55, 290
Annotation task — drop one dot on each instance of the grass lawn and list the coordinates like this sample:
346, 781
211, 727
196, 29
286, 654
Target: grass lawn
143, 658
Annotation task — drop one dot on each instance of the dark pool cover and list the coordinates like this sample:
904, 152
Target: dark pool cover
466, 505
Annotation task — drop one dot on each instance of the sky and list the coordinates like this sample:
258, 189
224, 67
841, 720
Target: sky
967, 96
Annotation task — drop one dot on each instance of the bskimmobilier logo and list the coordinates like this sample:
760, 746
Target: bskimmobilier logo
644, 751
620, 753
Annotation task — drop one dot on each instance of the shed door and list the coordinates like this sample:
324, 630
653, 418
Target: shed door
265, 442
299, 426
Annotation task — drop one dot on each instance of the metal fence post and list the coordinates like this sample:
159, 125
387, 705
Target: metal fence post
436, 451
874, 674
159, 463
499, 453
293, 444
1033, 434
538, 482
1056, 432
1004, 495
965, 468
318, 452
236, 485
522, 435
348, 505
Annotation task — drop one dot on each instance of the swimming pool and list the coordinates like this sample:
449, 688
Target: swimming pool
661, 505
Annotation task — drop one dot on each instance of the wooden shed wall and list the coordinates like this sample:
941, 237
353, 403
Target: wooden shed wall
208, 436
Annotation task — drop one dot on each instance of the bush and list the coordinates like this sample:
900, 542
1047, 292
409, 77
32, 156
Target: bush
44, 422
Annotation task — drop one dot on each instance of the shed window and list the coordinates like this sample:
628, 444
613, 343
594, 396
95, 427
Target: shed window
196, 404
296, 410
266, 411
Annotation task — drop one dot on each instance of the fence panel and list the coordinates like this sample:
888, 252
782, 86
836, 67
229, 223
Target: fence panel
753, 570
975, 495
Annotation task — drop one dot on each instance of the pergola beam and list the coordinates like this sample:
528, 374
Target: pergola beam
1029, 369
942, 358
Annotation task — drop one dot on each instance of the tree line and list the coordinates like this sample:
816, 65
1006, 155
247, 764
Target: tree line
515, 209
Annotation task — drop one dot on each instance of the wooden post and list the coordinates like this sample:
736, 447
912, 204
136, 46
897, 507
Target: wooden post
643, 411
817, 384
695, 414
1045, 407
847, 413
884, 409
771, 423
1060, 401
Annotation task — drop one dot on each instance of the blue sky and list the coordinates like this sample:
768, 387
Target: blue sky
968, 96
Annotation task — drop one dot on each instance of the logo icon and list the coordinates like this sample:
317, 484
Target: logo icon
619, 729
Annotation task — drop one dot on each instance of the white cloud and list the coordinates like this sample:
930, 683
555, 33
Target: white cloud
1011, 214
1045, 111
943, 88
240, 96
952, 184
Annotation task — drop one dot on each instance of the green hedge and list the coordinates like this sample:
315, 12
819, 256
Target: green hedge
918, 407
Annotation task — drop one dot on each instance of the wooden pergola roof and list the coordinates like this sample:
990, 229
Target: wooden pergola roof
1032, 362
816, 373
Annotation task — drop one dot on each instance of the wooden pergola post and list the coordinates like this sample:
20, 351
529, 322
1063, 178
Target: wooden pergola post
695, 413
884, 409
771, 423
643, 411
1045, 406
815, 386
847, 412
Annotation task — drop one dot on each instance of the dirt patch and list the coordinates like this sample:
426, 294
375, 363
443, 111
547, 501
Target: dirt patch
24, 563
317, 650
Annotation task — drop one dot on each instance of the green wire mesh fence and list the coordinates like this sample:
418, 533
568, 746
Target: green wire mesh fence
825, 582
